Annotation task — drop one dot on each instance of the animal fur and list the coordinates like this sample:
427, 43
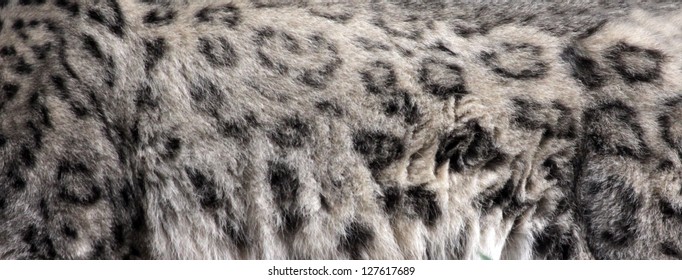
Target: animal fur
345, 129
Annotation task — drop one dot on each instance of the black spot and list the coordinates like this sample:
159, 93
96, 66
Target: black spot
357, 237
532, 67
392, 199
612, 129
665, 165
15, 179
554, 243
330, 107
669, 210
291, 133
529, 115
443, 80
220, 53
338, 16
3, 140
6, 51
69, 6
284, 182
41, 51
23, 67
27, 157
70, 232
157, 17
610, 207
323, 203
669, 249
227, 14
670, 126
10, 90
205, 187
469, 147
79, 109
111, 17
77, 190
318, 77
424, 204
59, 83
378, 149
92, 47
155, 49
583, 67
145, 98
18, 24
44, 210
172, 147
380, 79
40, 244
556, 121
238, 129
635, 64
285, 185
37, 134
31, 2
205, 90
441, 47
3, 3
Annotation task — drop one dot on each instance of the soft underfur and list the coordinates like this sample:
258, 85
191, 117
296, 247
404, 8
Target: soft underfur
348, 129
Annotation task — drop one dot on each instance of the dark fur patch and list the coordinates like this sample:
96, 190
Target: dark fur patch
583, 68
22, 67
110, 15
612, 129
76, 185
392, 199
670, 211
333, 15
610, 207
70, 232
92, 47
41, 51
380, 78
330, 107
69, 6
27, 157
285, 186
424, 204
291, 133
635, 64
533, 67
669, 249
159, 17
227, 14
31, 2
155, 49
379, 149
7, 51
205, 188
442, 80
469, 147
40, 245
10, 90
218, 52
356, 238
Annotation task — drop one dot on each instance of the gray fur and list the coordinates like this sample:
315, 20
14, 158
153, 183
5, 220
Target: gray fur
348, 129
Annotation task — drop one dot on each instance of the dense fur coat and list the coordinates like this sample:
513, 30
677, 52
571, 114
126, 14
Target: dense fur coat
351, 129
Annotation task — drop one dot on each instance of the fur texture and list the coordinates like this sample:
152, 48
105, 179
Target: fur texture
349, 129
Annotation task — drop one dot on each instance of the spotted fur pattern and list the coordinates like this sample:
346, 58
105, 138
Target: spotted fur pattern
267, 129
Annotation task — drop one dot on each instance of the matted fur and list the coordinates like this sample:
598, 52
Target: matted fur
348, 129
